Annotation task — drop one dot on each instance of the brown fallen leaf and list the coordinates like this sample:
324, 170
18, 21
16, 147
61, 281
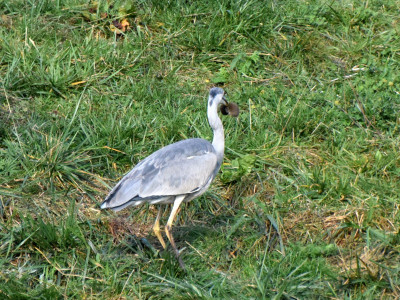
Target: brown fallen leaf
117, 24
119, 27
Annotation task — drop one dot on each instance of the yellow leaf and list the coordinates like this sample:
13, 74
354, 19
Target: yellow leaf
77, 82
283, 36
125, 25
106, 147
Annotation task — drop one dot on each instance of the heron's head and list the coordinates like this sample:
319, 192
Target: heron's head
216, 97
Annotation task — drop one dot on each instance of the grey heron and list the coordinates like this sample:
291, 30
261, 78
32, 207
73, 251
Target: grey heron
176, 173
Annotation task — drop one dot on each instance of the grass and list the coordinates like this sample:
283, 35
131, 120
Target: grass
306, 205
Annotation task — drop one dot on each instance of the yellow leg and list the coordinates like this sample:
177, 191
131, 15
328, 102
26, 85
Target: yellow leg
156, 227
178, 201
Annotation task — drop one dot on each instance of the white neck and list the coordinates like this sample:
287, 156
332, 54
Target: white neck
216, 125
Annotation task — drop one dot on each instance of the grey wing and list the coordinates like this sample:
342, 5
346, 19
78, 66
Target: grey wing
181, 168
183, 176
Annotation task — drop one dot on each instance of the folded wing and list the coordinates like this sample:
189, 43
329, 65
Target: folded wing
182, 168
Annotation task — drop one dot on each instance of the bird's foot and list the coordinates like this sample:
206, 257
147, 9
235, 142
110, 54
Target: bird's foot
181, 264
178, 257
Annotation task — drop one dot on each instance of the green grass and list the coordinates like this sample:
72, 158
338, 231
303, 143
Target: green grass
306, 205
